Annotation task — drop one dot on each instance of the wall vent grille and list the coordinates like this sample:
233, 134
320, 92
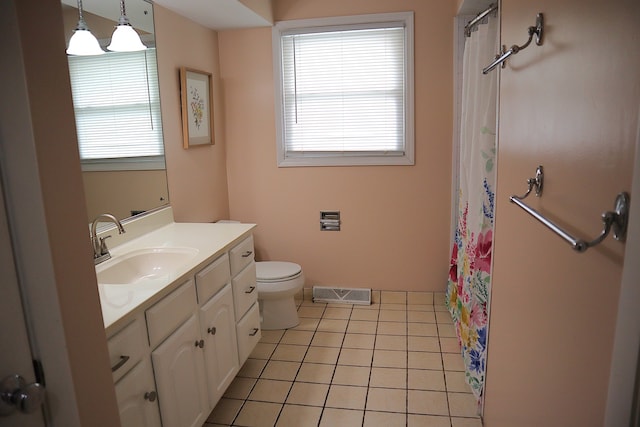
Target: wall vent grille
342, 295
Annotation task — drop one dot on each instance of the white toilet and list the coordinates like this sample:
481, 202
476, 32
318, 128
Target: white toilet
278, 282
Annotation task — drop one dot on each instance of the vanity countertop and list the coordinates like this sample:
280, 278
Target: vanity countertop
120, 303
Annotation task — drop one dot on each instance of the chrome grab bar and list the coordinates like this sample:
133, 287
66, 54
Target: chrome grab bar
537, 31
616, 219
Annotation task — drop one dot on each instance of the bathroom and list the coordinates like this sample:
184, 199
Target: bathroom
550, 326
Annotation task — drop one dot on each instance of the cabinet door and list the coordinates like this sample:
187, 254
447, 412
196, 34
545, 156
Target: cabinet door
220, 350
136, 397
178, 364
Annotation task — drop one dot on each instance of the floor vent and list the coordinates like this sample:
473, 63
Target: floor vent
342, 295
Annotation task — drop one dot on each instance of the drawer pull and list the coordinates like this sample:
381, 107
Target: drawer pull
212, 330
121, 362
254, 331
247, 254
251, 289
200, 343
150, 396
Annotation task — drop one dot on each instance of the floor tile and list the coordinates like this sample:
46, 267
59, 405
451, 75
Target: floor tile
240, 388
297, 337
225, 411
289, 352
463, 404
272, 337
332, 325
456, 382
336, 313
384, 419
307, 324
327, 339
322, 355
392, 316
414, 420
315, 373
387, 400
346, 397
312, 312
443, 317
452, 362
364, 341
280, 370
270, 391
332, 417
391, 342
362, 327
422, 329
465, 422
393, 307
420, 307
439, 307
422, 360
416, 343
427, 402
424, 379
419, 298
252, 368
389, 359
258, 414
392, 328
392, 297
388, 378
262, 351
421, 316
308, 394
450, 345
351, 375
299, 416
364, 314
355, 357
446, 330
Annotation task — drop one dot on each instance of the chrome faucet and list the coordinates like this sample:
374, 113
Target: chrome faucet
100, 251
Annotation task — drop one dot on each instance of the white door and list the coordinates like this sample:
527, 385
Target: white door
15, 356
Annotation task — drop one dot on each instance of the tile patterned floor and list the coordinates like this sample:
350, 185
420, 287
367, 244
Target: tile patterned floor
394, 363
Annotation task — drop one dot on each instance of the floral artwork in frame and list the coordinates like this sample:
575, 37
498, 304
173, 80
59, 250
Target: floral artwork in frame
196, 93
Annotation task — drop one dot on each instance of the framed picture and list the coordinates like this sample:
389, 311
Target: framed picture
196, 93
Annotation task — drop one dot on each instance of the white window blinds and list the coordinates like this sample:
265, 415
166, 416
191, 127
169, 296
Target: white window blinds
117, 105
344, 91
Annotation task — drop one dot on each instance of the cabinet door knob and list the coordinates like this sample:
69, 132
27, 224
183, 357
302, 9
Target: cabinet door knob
247, 254
251, 289
200, 343
212, 330
254, 331
150, 396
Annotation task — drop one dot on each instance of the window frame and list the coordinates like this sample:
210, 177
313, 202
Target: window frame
352, 158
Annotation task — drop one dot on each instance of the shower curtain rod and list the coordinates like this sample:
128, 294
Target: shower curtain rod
479, 17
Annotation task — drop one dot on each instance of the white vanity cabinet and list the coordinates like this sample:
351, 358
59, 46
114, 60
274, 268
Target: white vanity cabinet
174, 360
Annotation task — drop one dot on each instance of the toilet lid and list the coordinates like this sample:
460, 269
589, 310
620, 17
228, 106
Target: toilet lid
274, 271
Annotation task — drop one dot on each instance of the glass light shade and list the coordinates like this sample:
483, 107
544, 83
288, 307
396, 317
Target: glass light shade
82, 42
125, 39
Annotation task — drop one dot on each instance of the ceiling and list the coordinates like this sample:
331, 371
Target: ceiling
216, 14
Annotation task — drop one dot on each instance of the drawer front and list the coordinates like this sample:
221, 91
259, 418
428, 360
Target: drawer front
171, 312
248, 333
212, 278
245, 291
241, 255
126, 347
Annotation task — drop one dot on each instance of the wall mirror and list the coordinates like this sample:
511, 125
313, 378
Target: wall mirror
117, 108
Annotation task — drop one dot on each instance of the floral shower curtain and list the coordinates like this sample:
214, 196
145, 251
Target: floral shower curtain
469, 281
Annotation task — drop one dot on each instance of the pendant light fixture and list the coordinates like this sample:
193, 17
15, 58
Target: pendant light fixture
83, 42
125, 38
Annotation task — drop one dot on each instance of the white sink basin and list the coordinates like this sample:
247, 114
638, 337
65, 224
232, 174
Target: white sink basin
143, 264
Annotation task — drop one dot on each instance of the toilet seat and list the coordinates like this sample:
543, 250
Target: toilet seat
277, 271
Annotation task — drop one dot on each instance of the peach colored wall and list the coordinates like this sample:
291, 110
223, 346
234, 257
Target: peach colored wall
572, 106
58, 169
197, 176
395, 219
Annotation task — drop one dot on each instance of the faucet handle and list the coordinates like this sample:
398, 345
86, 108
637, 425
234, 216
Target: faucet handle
103, 245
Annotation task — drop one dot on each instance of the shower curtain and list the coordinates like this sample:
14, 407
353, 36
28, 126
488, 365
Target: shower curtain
469, 283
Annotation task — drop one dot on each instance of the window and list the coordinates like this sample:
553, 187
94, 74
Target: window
117, 108
344, 90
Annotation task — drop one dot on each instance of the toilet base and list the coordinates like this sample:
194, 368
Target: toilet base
278, 314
